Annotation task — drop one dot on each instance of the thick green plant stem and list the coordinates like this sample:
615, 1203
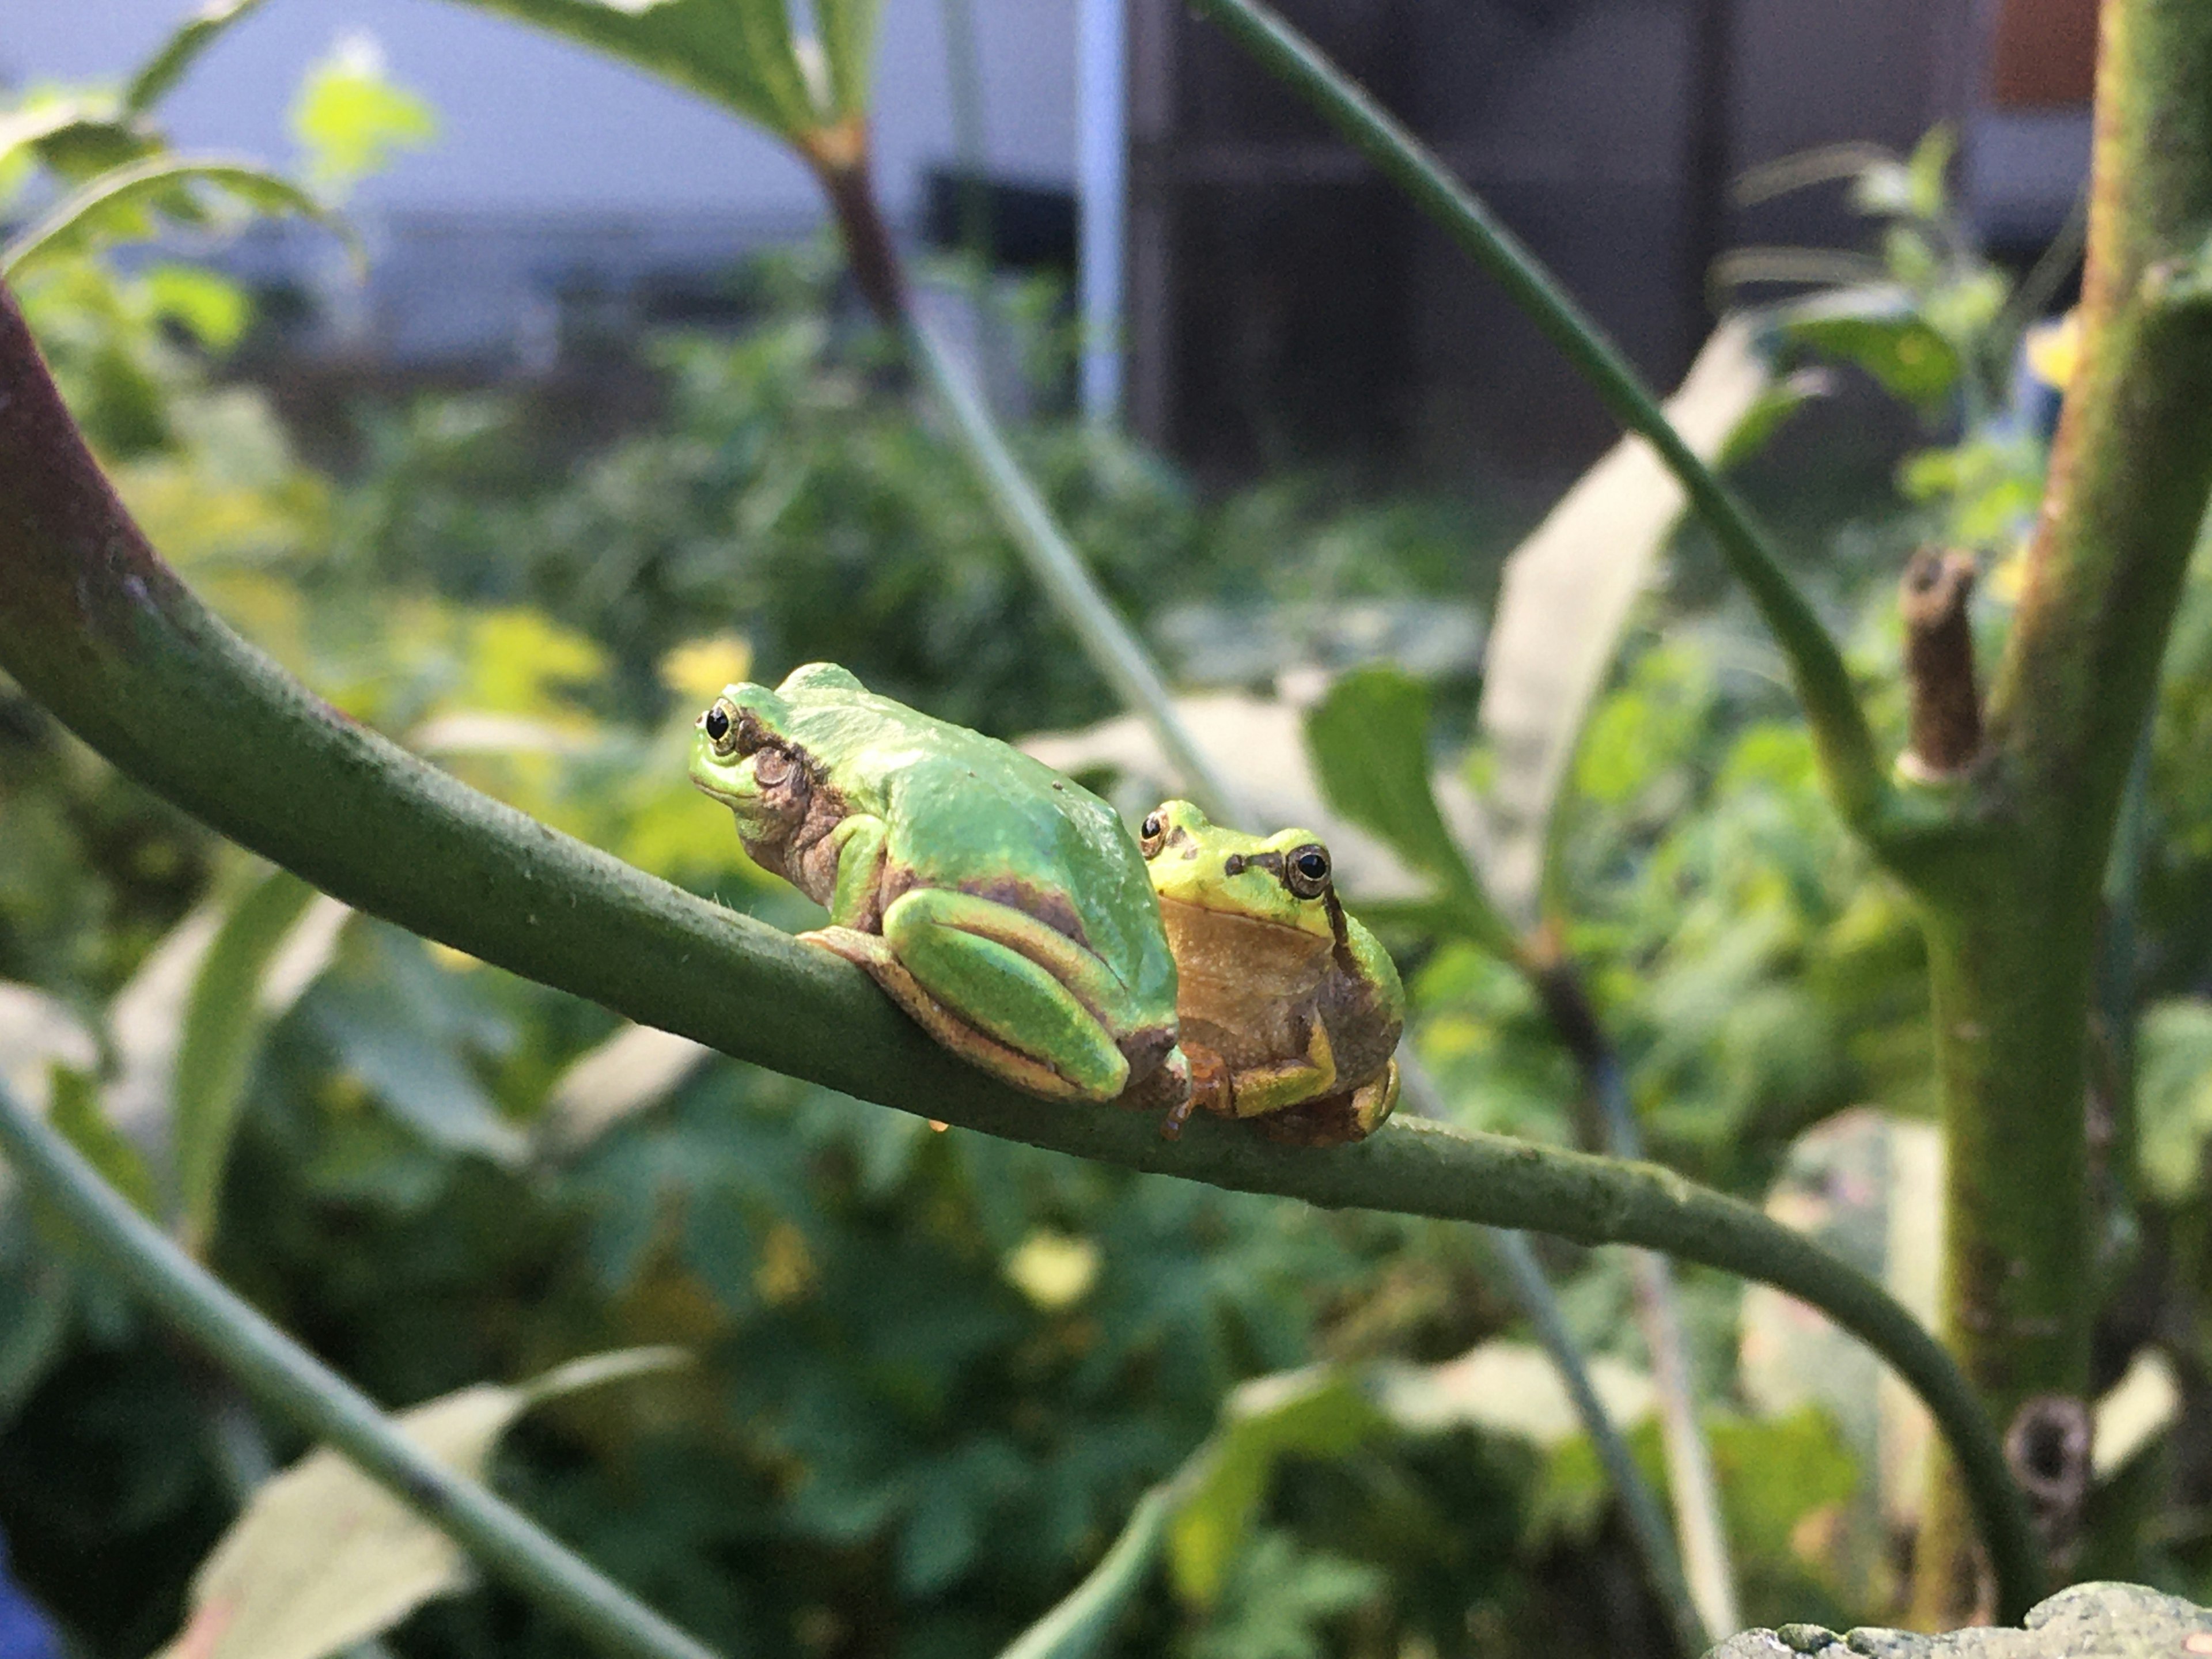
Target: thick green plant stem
1824, 687
95, 627
2013, 908
290, 1381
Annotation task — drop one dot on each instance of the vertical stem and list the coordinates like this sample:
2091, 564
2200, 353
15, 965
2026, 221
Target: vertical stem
2012, 926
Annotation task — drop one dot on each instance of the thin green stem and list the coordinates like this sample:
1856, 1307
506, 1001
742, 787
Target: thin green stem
1540, 1306
290, 1381
106, 637
1839, 728
1060, 570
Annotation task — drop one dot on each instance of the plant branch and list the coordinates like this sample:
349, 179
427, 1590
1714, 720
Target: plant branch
1824, 687
290, 1381
106, 637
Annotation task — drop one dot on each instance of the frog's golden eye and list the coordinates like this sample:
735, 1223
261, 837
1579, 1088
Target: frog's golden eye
720, 729
1305, 872
1152, 833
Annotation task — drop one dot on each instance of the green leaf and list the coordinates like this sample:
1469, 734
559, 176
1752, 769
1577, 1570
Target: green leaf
225, 1018
1369, 738
2173, 1098
74, 1108
736, 53
117, 201
848, 43
1878, 327
215, 309
76, 138
349, 117
1078, 1624
1568, 592
161, 72
324, 1557
1321, 1413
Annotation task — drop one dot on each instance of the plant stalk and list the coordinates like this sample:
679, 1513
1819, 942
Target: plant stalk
293, 1383
1840, 733
2012, 927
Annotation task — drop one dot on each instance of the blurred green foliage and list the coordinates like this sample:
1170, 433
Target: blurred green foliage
936, 1371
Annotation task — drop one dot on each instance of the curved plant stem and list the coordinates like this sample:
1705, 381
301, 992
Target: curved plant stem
292, 1381
104, 634
1839, 728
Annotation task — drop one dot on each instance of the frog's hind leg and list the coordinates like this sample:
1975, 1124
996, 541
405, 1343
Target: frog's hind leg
1335, 1120
966, 969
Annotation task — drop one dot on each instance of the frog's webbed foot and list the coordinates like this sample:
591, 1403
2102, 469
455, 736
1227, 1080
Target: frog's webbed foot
988, 1002
1335, 1120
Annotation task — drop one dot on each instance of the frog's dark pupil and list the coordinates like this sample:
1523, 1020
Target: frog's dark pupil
1151, 826
1313, 866
718, 725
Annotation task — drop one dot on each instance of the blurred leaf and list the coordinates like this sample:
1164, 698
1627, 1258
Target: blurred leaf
215, 310
1879, 328
849, 44
1510, 1388
736, 53
1369, 740
38, 1031
180, 52
1278, 1594
631, 1071
1322, 1414
324, 1557
2173, 1097
116, 204
2134, 1412
225, 1017
1566, 595
75, 137
1076, 1627
73, 1108
349, 119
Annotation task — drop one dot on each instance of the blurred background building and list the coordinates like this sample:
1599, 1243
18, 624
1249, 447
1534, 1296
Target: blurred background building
1270, 300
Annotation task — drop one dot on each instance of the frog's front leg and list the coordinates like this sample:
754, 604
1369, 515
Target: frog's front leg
1258, 1091
998, 987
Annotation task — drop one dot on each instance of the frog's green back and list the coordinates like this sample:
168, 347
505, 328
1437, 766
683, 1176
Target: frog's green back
969, 812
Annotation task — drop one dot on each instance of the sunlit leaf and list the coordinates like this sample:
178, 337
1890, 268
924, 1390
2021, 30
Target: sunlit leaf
633, 1069
1879, 328
1369, 740
324, 1557
1075, 1628
736, 53
349, 119
2173, 1097
1320, 1413
117, 203
225, 1017
1566, 595
73, 1107
181, 50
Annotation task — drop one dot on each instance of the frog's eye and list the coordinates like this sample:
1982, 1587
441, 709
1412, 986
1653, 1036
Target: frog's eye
1152, 833
720, 728
1305, 872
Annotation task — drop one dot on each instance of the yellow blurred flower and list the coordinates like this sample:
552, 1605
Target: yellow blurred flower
1054, 1270
700, 668
2053, 347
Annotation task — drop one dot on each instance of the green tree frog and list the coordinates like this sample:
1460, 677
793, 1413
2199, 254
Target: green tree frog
1291, 1010
1002, 906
